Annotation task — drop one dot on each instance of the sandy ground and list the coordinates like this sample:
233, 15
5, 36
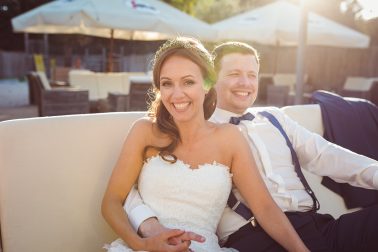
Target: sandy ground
14, 100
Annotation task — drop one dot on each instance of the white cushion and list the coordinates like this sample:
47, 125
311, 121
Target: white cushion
53, 174
308, 116
358, 83
85, 80
287, 79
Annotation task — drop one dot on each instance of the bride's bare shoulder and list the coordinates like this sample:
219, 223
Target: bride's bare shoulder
227, 132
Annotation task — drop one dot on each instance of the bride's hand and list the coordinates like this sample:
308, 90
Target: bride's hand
152, 227
186, 237
160, 242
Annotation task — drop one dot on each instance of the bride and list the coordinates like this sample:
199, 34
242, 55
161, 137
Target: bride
184, 164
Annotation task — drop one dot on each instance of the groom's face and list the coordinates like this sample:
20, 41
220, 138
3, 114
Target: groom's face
237, 82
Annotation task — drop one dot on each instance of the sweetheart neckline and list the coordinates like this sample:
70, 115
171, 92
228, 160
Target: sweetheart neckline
215, 163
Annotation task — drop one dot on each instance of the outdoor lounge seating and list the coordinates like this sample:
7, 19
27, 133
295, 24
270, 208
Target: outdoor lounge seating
100, 85
112, 89
60, 74
277, 95
54, 170
139, 92
281, 91
361, 87
56, 101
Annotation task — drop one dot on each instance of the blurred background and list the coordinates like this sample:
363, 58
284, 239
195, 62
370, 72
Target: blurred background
331, 68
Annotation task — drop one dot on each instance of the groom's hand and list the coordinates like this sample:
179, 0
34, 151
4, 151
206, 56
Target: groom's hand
159, 242
152, 227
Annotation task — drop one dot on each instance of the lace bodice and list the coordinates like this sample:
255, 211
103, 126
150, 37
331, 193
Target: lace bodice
186, 198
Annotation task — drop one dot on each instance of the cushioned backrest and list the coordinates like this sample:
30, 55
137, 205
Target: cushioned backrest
61, 73
286, 79
54, 170
45, 82
85, 80
358, 84
109, 82
53, 173
126, 80
308, 116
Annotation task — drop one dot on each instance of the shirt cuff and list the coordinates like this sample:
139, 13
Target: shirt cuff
375, 180
139, 214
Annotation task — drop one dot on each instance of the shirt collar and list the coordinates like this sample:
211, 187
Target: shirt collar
222, 116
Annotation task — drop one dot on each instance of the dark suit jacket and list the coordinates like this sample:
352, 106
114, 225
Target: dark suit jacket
352, 124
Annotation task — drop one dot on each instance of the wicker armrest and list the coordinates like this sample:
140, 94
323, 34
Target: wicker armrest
63, 102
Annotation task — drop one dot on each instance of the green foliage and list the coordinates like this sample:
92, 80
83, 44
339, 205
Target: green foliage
183, 5
212, 11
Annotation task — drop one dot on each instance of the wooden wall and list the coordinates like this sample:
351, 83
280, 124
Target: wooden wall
326, 67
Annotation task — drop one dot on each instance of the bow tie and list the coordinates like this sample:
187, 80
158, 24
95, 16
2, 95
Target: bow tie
236, 120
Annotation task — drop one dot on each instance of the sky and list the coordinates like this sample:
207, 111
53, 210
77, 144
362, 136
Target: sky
370, 9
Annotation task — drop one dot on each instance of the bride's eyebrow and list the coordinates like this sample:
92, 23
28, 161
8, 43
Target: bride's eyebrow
187, 76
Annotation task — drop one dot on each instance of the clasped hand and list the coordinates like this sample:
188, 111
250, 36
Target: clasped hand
160, 238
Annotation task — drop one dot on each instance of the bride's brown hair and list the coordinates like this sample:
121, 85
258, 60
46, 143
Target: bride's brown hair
193, 50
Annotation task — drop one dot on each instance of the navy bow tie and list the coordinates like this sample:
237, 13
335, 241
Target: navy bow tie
236, 120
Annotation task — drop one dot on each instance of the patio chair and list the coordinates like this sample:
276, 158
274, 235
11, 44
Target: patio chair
265, 80
361, 87
60, 74
57, 101
277, 95
139, 96
289, 80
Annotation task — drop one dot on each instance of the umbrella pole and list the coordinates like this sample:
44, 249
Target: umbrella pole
26, 43
110, 54
276, 58
301, 53
46, 54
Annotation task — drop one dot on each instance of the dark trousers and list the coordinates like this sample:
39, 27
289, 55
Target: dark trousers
352, 232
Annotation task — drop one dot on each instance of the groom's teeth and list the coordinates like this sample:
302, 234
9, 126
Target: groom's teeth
180, 105
242, 93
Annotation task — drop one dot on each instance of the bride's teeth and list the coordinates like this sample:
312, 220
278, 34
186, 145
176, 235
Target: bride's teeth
242, 93
180, 105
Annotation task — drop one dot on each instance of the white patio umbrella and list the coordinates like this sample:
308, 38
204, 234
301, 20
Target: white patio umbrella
278, 24
128, 19
121, 19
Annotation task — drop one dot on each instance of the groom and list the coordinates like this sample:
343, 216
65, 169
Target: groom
237, 67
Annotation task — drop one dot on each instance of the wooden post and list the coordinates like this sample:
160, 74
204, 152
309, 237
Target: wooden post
302, 37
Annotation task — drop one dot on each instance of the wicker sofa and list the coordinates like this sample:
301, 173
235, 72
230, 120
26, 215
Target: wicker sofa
53, 172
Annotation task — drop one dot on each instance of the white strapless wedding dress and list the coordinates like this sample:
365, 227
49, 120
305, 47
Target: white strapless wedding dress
185, 198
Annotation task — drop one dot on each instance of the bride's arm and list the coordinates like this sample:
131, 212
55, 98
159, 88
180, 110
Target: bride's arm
252, 188
124, 176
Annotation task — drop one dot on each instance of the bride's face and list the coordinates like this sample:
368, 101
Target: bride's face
182, 88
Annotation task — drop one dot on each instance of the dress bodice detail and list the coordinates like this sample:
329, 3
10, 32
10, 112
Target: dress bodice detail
187, 198
177, 192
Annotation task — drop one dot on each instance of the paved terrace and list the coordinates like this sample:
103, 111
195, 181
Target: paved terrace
14, 100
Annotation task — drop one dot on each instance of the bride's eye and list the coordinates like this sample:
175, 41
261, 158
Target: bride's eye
165, 83
189, 82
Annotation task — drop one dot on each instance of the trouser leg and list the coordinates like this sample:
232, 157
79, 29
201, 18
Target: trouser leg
250, 238
357, 231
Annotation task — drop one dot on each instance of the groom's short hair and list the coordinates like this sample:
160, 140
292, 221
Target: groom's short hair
232, 47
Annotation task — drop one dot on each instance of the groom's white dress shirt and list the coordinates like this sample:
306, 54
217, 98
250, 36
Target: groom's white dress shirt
273, 159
